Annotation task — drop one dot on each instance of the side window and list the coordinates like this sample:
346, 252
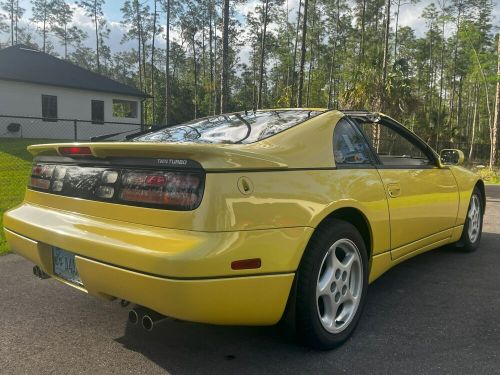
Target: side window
124, 108
97, 109
349, 146
392, 148
49, 108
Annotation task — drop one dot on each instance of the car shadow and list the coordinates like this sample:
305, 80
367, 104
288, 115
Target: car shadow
414, 311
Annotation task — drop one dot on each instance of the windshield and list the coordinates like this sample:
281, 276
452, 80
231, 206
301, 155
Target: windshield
239, 127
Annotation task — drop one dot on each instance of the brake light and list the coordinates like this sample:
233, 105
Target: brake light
177, 189
75, 151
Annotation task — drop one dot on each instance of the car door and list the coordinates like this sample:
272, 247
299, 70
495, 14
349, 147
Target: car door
422, 196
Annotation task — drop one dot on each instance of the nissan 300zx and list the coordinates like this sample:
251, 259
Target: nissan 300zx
243, 218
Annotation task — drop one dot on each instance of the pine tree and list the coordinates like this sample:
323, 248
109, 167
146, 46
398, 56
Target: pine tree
93, 9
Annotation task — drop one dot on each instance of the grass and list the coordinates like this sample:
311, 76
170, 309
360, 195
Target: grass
15, 165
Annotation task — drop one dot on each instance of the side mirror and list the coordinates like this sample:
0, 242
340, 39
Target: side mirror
451, 157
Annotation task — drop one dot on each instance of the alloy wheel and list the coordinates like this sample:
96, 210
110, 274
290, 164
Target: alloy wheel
474, 219
339, 285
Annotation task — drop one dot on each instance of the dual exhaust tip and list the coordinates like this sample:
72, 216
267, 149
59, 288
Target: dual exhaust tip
149, 319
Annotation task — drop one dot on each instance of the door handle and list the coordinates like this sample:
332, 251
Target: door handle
394, 190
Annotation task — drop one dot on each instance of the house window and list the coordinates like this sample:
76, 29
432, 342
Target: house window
97, 112
49, 108
124, 108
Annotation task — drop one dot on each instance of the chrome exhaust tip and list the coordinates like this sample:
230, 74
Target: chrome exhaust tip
136, 314
133, 316
151, 319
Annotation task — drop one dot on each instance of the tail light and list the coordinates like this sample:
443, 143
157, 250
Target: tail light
178, 190
41, 176
170, 188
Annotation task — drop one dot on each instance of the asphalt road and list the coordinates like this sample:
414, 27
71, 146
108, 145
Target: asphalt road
436, 313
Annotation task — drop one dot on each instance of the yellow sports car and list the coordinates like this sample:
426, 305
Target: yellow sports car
244, 218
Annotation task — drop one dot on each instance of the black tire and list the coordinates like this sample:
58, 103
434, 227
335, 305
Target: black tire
466, 243
309, 326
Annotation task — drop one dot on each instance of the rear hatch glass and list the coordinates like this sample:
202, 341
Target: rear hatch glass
242, 127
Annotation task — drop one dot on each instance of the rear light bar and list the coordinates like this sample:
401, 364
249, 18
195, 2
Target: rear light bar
75, 151
179, 190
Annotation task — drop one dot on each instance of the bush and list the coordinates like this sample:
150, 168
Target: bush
491, 176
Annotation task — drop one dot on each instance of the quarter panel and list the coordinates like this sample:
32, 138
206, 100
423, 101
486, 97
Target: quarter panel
466, 181
305, 198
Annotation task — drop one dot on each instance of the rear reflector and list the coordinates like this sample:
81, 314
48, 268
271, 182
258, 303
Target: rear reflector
75, 151
40, 183
245, 264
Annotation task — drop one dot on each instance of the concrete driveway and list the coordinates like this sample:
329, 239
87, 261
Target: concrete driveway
436, 313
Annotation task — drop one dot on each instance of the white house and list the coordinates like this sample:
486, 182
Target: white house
42, 96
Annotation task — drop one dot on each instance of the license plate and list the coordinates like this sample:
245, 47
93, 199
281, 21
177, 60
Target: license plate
65, 266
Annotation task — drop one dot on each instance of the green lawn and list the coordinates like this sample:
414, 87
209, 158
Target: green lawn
15, 163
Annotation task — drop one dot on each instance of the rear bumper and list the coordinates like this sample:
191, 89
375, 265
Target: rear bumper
248, 300
181, 274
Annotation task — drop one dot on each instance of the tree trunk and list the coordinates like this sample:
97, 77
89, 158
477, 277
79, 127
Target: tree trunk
152, 65
211, 106
97, 37
17, 18
494, 140
254, 83
302, 56
385, 61
476, 99
216, 81
139, 45
288, 43
331, 79
431, 72
362, 39
12, 22
265, 7
44, 31
311, 57
396, 30
459, 103
195, 66
167, 63
65, 41
203, 52
224, 95
455, 57
441, 82
294, 62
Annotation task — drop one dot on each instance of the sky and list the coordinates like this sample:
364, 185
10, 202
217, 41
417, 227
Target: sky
409, 16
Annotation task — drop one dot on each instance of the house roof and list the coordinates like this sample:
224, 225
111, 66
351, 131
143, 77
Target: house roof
24, 64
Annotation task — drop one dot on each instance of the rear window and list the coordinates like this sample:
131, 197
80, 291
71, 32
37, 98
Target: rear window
242, 127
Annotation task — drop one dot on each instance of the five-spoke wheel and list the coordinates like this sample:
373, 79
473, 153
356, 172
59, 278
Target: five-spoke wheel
339, 285
331, 284
473, 225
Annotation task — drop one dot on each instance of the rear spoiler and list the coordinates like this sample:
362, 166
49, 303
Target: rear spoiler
210, 156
